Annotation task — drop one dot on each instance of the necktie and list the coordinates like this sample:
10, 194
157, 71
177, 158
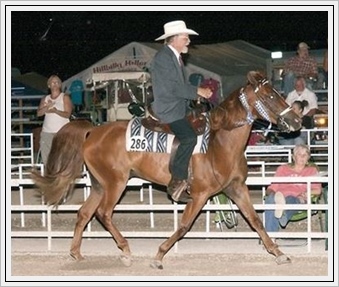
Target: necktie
181, 61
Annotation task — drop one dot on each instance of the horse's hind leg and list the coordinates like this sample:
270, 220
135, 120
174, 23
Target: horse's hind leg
85, 214
104, 215
240, 195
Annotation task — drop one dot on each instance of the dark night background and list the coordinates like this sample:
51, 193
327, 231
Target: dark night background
77, 40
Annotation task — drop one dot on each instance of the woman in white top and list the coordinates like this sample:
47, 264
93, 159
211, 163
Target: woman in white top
57, 108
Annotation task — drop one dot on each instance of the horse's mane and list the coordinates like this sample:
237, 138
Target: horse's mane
225, 115
229, 112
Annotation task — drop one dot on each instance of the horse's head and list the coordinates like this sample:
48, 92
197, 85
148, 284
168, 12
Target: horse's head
260, 99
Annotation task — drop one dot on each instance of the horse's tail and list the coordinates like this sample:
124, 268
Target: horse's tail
64, 164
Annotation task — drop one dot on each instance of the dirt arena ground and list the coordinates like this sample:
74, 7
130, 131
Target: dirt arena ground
196, 259
225, 258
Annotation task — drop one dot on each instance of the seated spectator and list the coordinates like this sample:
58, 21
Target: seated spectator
297, 137
299, 107
290, 193
301, 65
301, 93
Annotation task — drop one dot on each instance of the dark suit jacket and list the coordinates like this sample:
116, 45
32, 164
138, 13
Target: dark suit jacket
171, 89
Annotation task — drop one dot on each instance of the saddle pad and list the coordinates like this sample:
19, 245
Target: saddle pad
138, 138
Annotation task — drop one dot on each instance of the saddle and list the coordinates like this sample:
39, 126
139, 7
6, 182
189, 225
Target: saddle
195, 117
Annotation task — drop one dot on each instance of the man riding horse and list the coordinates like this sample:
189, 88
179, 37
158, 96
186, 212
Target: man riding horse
172, 92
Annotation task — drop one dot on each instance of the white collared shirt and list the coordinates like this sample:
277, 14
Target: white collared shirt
177, 54
307, 95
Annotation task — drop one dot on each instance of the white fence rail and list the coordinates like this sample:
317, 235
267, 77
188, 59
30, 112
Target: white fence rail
47, 212
22, 149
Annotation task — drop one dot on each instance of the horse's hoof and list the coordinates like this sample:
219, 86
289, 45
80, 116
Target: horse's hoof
157, 265
77, 257
126, 260
282, 259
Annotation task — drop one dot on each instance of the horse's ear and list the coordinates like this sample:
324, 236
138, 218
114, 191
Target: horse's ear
252, 77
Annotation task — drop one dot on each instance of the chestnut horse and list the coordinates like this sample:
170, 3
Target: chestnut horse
222, 168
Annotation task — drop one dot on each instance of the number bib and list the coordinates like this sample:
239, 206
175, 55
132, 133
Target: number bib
137, 143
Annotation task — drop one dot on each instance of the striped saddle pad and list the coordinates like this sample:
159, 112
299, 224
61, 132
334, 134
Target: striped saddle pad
138, 138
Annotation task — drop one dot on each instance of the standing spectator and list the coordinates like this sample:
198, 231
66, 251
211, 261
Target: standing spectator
172, 94
57, 108
290, 193
301, 93
302, 65
325, 63
323, 73
325, 68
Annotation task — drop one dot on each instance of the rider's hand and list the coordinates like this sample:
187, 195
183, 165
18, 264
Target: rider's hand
205, 92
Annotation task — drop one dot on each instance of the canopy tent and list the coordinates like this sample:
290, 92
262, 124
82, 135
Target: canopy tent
226, 63
26, 92
29, 84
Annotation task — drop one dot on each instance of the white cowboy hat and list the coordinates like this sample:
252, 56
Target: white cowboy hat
174, 28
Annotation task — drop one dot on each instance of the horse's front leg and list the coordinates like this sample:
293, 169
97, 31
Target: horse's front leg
240, 195
190, 213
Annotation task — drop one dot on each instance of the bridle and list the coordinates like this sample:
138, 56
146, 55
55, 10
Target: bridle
261, 105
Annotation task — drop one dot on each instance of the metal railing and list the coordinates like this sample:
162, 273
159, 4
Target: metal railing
22, 149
